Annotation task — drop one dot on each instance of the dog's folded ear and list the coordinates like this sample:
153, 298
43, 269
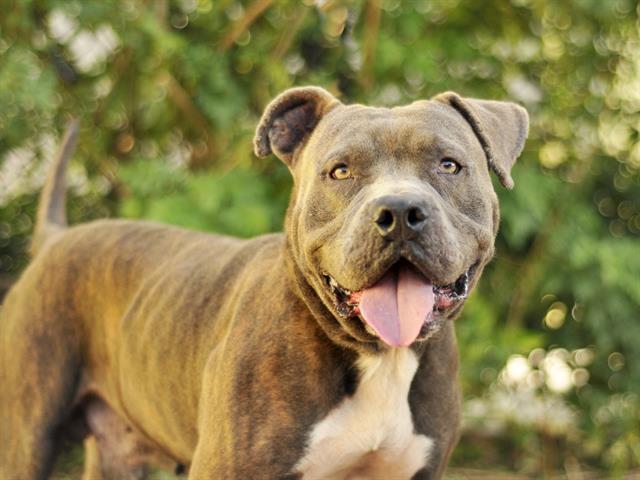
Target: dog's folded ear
289, 119
501, 128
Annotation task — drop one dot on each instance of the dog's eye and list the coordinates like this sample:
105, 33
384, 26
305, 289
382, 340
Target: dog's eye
449, 166
341, 172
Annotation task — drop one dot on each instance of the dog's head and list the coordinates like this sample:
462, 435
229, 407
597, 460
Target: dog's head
393, 214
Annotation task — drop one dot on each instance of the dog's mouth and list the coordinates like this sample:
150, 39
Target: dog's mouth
403, 306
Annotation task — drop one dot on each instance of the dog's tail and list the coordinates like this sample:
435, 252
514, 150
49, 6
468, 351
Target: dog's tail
51, 217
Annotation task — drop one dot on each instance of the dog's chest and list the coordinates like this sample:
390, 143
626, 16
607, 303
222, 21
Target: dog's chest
370, 435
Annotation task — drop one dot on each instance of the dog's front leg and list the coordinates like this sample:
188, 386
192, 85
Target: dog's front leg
435, 401
245, 428
224, 451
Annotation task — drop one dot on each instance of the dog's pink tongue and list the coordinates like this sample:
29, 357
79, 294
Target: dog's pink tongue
397, 306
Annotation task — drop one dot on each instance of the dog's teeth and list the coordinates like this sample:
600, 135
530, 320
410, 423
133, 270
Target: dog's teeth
337, 288
461, 285
344, 309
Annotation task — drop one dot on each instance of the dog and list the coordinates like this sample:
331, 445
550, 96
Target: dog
325, 352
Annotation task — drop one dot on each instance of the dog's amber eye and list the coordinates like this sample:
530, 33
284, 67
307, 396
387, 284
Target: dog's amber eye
341, 172
449, 166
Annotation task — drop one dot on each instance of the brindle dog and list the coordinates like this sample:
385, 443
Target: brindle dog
326, 352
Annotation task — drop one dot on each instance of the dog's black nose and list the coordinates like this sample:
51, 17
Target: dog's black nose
399, 217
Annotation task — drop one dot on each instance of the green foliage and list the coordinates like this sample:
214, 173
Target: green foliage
240, 202
169, 103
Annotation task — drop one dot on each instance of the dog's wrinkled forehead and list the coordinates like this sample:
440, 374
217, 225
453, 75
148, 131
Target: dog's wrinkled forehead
300, 115
401, 132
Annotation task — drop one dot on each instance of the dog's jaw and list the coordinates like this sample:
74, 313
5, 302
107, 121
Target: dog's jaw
447, 299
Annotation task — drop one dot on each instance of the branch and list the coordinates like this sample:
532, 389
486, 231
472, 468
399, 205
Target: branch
182, 100
239, 26
289, 35
529, 271
372, 23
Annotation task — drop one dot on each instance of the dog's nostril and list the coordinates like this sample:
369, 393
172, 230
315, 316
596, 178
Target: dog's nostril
384, 220
415, 217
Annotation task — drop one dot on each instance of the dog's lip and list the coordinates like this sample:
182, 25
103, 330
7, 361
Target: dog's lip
458, 288
447, 296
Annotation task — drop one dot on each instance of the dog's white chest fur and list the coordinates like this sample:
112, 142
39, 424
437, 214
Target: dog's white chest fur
370, 435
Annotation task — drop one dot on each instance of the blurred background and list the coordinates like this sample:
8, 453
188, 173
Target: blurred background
169, 93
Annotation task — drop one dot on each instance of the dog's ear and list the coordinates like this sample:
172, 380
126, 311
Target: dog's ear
501, 128
289, 119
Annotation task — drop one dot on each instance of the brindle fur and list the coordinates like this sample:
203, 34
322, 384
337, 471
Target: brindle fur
177, 347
